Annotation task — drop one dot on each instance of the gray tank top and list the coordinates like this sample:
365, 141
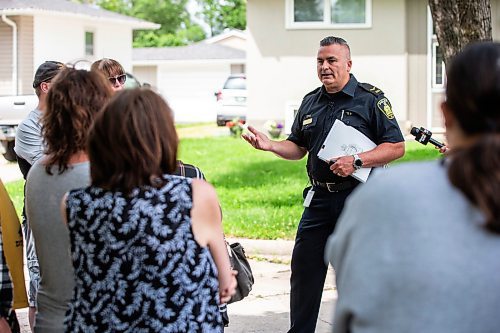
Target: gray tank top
44, 194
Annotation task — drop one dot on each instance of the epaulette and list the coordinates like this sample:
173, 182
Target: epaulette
313, 92
371, 89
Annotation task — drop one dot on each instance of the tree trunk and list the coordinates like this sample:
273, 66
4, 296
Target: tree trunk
459, 22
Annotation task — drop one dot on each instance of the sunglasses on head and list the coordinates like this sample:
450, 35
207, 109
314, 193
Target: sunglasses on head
120, 78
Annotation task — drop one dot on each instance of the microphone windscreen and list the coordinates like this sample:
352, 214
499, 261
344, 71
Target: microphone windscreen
414, 131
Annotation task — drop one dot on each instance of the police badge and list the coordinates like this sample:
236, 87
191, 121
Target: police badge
385, 106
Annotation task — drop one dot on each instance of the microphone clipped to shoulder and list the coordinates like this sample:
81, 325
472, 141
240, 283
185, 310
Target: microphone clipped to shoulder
423, 136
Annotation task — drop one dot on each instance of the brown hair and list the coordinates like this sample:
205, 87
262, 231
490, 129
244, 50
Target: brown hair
38, 91
133, 141
72, 103
473, 96
107, 67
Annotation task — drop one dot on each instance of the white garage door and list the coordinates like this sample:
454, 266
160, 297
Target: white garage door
189, 89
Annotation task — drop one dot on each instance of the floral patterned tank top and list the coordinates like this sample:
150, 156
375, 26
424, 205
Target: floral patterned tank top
137, 265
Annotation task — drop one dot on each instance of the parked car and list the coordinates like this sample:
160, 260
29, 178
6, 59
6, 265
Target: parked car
13, 109
232, 100
132, 82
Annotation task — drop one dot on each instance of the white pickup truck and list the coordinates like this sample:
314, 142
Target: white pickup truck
13, 109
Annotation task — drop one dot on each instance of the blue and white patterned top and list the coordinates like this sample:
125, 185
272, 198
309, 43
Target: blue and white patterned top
137, 265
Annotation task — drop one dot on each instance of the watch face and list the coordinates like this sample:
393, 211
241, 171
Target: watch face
358, 163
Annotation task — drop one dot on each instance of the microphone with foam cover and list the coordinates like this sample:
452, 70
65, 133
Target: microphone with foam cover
423, 136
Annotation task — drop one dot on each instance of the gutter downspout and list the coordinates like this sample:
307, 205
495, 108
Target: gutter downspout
8, 21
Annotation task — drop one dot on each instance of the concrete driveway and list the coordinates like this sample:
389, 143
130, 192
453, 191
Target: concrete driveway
9, 171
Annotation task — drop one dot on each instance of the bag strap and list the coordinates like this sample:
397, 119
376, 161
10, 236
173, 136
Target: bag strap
182, 169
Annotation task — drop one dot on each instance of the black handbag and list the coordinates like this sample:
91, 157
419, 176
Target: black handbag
12, 321
239, 262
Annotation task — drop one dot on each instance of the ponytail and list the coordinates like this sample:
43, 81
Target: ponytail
475, 171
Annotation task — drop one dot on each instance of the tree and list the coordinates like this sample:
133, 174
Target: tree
223, 14
459, 22
118, 6
169, 13
176, 26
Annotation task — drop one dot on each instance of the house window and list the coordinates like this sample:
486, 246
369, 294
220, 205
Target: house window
89, 43
320, 14
438, 69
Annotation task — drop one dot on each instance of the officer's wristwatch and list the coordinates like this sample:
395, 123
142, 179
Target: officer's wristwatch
357, 163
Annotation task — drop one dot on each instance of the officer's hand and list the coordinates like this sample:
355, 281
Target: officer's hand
343, 166
257, 139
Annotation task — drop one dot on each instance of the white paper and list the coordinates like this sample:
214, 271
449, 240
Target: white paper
343, 140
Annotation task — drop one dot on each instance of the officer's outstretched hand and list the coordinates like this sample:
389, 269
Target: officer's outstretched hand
257, 139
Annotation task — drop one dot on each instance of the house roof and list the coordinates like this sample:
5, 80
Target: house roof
64, 7
225, 35
196, 51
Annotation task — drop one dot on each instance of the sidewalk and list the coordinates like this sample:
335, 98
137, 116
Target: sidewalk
267, 308
9, 171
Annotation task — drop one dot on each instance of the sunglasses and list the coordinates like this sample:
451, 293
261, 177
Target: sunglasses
119, 78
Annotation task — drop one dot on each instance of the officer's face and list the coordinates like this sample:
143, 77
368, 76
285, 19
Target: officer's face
334, 64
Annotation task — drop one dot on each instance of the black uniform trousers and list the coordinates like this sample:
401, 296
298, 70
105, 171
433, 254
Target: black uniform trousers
308, 266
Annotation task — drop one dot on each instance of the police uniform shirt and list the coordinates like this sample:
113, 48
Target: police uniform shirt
359, 105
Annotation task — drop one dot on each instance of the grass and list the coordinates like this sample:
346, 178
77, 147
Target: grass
260, 194
258, 191
16, 193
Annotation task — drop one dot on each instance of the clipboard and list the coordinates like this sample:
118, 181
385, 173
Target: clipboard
344, 140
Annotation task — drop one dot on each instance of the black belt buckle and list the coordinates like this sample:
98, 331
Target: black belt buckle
337, 187
332, 187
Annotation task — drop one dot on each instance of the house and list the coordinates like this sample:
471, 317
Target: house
234, 38
33, 31
188, 76
392, 44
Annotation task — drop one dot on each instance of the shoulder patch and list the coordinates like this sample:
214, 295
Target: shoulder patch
385, 106
371, 89
313, 92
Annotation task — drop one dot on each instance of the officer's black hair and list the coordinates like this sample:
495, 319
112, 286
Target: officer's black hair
331, 40
473, 97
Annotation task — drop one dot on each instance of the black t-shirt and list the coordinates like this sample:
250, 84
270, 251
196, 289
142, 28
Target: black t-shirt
359, 105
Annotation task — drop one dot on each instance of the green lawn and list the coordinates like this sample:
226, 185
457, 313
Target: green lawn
260, 194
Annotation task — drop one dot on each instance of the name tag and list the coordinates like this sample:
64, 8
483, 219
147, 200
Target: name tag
307, 121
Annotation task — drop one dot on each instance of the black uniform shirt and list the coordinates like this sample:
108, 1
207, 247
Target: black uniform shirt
359, 105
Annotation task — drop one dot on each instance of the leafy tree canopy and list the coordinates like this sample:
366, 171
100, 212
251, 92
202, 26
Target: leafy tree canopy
223, 14
177, 27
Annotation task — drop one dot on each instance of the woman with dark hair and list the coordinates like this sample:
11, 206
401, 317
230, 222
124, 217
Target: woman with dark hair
73, 101
147, 246
112, 70
424, 256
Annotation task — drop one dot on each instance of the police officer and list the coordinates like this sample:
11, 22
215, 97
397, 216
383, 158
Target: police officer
360, 105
